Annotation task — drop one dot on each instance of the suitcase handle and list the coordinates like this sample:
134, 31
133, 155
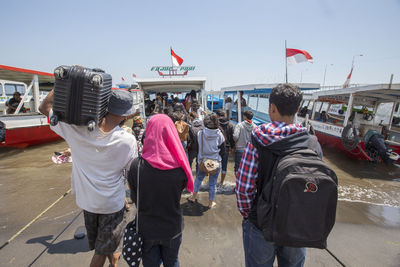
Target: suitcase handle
98, 70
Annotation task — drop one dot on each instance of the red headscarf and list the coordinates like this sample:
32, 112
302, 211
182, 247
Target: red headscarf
163, 149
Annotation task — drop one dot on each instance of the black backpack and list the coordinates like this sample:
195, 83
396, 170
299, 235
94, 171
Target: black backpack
297, 207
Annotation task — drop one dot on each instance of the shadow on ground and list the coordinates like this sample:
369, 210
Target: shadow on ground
193, 209
71, 246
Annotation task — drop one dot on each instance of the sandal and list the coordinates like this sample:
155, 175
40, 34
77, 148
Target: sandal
191, 200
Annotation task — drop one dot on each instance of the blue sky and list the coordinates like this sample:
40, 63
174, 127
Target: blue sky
229, 42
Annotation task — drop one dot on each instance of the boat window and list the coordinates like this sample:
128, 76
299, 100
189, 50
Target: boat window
318, 106
324, 107
252, 102
10, 89
20, 89
383, 113
310, 104
1, 89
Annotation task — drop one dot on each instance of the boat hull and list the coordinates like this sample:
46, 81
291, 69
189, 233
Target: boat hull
27, 130
335, 142
29, 136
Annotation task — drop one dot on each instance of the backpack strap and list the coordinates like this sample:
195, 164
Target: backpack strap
264, 185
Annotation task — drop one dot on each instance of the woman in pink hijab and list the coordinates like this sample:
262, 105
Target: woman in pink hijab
163, 174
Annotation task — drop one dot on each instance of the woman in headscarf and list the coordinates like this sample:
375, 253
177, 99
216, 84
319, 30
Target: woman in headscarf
163, 174
211, 146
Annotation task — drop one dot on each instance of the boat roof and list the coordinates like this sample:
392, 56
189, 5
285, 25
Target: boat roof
171, 85
46, 80
366, 93
264, 88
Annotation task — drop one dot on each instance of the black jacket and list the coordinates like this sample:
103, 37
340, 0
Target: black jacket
227, 128
160, 215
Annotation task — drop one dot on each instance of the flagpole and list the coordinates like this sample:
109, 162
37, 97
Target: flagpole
172, 63
286, 60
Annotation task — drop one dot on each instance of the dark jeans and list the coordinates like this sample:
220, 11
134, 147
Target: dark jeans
224, 161
161, 251
260, 253
238, 158
193, 155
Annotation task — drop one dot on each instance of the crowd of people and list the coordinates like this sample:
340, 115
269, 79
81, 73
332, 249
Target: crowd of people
160, 156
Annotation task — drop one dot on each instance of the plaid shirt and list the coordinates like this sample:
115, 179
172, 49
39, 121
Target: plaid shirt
247, 174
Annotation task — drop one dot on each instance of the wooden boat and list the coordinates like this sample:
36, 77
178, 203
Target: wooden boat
361, 121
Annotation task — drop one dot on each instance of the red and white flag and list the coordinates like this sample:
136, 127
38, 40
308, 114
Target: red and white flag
134, 76
176, 60
294, 56
123, 79
347, 82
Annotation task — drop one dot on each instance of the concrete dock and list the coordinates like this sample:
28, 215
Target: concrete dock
365, 234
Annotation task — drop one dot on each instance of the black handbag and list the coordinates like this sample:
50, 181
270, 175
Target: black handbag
133, 241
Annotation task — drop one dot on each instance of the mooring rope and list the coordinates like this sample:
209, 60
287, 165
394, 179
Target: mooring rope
34, 220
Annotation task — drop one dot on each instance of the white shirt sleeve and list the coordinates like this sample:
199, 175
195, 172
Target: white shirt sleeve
134, 153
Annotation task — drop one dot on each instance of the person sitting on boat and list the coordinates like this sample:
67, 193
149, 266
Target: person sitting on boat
98, 184
13, 103
303, 111
323, 117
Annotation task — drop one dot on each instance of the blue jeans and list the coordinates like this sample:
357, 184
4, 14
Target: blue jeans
260, 253
212, 182
161, 251
238, 158
224, 162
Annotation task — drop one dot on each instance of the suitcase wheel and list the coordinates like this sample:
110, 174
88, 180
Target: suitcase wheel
53, 120
60, 73
97, 80
91, 125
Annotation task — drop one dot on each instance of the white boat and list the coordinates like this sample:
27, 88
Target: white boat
30, 128
361, 121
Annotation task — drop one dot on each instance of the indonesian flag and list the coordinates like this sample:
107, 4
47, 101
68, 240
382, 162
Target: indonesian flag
176, 60
294, 56
123, 79
347, 82
134, 76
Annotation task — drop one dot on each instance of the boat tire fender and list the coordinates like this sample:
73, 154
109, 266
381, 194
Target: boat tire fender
350, 137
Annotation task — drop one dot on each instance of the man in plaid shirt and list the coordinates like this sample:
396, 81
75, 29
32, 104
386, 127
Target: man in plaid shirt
284, 101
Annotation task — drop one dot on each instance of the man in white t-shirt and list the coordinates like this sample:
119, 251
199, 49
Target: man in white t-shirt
100, 158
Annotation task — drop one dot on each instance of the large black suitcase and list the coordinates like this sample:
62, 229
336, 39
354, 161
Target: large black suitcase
80, 95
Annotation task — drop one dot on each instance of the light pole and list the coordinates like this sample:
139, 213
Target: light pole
326, 66
352, 63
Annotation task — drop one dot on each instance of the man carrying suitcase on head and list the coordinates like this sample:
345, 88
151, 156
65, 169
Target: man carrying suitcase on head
269, 142
100, 158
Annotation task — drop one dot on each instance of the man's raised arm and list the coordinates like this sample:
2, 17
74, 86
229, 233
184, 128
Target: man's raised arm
47, 104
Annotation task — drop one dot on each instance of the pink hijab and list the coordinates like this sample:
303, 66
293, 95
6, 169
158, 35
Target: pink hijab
162, 148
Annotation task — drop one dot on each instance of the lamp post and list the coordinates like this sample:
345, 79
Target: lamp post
326, 66
352, 62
